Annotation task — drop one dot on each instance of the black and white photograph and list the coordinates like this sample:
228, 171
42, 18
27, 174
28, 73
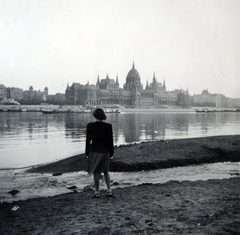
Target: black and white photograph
119, 117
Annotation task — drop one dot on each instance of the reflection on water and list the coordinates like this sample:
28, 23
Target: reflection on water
30, 138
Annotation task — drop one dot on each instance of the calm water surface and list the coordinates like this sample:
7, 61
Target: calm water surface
31, 138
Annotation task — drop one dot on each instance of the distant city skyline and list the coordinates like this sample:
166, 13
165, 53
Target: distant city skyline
191, 44
144, 86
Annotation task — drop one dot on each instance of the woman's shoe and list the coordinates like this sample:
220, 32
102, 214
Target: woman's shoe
96, 195
110, 194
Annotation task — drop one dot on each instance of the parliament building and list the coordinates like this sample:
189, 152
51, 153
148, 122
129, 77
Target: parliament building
107, 92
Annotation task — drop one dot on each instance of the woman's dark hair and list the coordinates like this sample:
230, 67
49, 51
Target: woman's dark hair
99, 114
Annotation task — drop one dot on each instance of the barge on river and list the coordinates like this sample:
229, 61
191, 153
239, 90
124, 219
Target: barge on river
216, 111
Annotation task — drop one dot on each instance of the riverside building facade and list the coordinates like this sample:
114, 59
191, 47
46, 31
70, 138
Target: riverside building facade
107, 92
30, 96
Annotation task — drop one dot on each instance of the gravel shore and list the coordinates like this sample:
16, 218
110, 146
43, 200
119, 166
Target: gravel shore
199, 207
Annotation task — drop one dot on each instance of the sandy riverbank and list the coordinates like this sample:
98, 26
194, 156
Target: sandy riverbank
157, 155
199, 207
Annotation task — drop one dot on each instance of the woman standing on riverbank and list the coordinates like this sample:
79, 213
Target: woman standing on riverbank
99, 149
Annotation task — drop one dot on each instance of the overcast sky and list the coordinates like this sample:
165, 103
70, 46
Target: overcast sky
192, 44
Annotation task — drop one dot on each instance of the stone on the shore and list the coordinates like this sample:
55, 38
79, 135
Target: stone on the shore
13, 192
72, 187
56, 174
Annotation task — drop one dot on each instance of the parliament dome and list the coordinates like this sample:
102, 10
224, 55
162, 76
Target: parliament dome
133, 80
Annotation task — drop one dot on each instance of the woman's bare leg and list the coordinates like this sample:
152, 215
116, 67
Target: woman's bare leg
107, 180
96, 182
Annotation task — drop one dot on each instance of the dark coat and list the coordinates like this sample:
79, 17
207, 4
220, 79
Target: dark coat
99, 138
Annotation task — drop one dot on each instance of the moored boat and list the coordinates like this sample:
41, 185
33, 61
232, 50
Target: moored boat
112, 111
206, 110
3, 110
50, 111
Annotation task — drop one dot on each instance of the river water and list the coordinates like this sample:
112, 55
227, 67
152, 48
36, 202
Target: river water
30, 138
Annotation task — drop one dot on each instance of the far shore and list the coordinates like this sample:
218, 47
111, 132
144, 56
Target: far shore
121, 108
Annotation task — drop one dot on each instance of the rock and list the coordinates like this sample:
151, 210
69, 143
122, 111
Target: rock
148, 221
13, 192
72, 187
151, 224
87, 188
15, 208
56, 174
